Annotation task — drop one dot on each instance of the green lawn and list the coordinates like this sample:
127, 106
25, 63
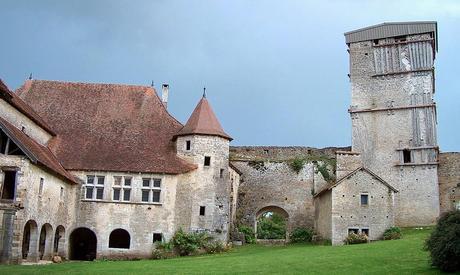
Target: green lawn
403, 256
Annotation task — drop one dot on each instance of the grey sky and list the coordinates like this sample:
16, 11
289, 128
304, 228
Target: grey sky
275, 71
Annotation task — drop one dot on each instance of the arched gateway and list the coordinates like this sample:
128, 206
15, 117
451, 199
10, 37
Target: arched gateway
83, 244
280, 219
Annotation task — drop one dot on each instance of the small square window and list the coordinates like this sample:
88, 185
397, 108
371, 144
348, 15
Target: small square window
100, 180
365, 231
117, 181
207, 161
127, 181
188, 145
364, 199
145, 182
116, 194
157, 237
126, 194
157, 183
202, 210
89, 179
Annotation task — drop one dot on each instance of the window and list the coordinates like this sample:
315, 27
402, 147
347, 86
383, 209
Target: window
353, 230
221, 173
121, 188
364, 199
157, 237
151, 190
365, 231
9, 185
94, 187
40, 187
61, 194
119, 238
202, 210
407, 157
188, 145
207, 161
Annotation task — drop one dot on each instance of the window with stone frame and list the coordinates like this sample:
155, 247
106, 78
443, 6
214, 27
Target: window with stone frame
151, 190
364, 199
94, 187
121, 188
353, 230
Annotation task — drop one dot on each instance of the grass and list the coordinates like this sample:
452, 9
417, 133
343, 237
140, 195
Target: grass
403, 256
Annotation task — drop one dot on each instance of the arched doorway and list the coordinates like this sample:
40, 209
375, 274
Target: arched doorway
59, 240
45, 242
83, 243
272, 222
29, 241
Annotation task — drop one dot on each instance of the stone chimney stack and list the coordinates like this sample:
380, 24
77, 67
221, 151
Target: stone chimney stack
165, 94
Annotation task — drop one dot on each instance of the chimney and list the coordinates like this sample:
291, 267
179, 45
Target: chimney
164, 94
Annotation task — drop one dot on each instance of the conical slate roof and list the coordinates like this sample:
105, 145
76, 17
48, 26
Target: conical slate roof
203, 121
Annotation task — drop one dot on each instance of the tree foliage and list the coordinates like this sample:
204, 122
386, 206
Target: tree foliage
271, 226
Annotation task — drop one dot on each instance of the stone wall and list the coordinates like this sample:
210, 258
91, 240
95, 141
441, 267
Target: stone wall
268, 180
449, 181
323, 215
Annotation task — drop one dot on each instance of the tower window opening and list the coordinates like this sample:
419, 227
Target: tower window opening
407, 157
202, 210
207, 161
188, 145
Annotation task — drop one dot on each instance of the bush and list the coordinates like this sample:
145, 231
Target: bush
301, 235
444, 243
392, 233
297, 164
271, 227
354, 238
163, 250
188, 243
214, 247
249, 235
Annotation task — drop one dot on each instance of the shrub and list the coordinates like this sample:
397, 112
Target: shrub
271, 227
297, 164
301, 235
163, 250
188, 243
354, 238
249, 235
392, 233
444, 243
214, 247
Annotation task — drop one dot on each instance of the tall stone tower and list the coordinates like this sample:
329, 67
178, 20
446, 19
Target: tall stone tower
203, 142
394, 115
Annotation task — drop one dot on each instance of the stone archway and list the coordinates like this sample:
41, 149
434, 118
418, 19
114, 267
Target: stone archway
59, 241
82, 244
45, 244
268, 211
30, 241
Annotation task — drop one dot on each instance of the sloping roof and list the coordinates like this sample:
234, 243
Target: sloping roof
107, 127
36, 152
352, 173
203, 121
22, 107
392, 29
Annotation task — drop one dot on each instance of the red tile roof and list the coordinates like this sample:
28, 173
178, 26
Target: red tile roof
22, 107
107, 127
203, 121
36, 152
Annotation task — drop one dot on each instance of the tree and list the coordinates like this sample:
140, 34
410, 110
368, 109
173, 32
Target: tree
271, 226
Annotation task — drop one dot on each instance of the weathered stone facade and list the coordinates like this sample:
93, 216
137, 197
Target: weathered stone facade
449, 181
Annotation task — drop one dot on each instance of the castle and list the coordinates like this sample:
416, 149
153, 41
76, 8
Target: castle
102, 170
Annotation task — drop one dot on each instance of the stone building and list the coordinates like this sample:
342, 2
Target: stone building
103, 170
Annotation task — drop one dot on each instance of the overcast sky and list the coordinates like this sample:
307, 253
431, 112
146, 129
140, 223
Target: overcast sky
275, 71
